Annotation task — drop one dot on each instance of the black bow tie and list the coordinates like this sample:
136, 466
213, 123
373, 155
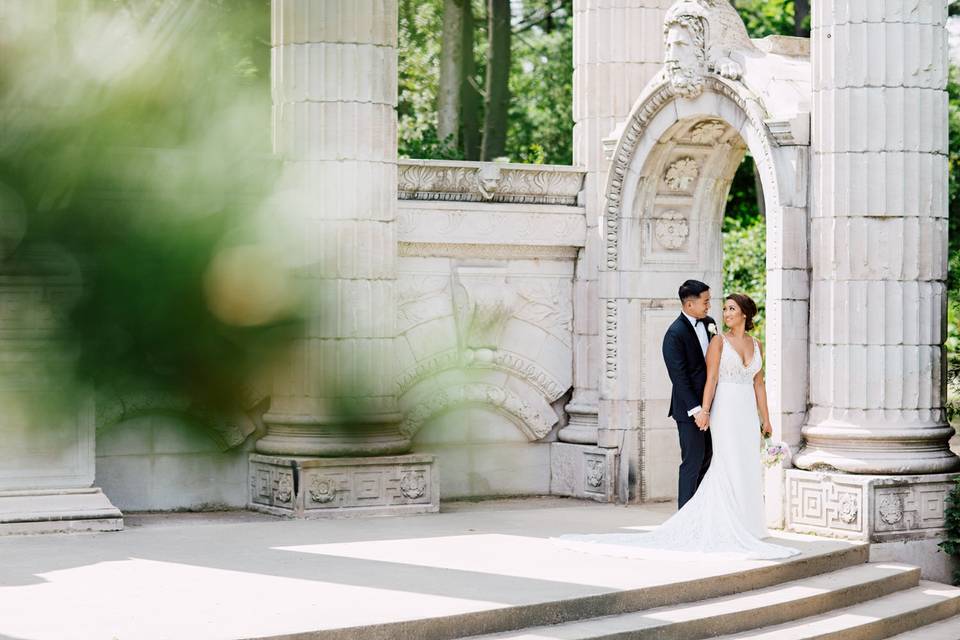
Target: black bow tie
702, 321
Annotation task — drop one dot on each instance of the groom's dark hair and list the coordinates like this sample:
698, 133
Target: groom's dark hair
692, 289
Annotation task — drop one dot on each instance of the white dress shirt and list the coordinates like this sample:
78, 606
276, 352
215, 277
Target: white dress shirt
701, 330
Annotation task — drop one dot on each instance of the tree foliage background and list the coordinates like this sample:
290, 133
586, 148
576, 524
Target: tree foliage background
540, 116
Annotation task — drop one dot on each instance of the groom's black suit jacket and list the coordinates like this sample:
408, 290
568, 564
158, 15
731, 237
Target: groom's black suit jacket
686, 365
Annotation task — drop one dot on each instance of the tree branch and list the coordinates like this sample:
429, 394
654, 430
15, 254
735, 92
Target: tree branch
538, 16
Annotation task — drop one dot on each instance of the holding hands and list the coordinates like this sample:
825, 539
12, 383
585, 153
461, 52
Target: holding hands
702, 420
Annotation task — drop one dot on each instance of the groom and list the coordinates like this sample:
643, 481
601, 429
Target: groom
684, 353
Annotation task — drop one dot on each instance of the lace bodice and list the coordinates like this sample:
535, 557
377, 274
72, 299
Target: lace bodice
731, 366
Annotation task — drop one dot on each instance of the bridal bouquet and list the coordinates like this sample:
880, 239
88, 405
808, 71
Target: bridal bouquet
771, 453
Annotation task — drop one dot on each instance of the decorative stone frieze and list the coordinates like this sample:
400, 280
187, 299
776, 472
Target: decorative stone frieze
867, 507
331, 487
486, 251
489, 182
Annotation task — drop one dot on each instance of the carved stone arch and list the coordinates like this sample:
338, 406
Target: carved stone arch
529, 412
517, 365
665, 196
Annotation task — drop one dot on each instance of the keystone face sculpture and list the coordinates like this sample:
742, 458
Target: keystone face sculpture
700, 37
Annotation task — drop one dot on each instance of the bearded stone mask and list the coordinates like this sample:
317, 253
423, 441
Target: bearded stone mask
685, 57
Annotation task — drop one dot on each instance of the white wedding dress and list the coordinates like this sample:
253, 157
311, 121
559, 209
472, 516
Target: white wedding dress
725, 517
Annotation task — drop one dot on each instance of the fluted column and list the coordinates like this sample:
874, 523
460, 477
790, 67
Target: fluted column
617, 48
878, 239
335, 96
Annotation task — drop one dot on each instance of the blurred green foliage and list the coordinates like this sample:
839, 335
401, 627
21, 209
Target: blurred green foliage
136, 152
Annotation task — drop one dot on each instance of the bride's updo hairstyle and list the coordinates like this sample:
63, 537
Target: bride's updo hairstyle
747, 306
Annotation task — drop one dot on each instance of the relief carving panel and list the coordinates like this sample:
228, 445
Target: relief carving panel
338, 484
682, 174
671, 229
873, 508
488, 182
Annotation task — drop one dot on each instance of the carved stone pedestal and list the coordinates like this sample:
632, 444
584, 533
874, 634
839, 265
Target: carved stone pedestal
868, 508
343, 487
901, 516
582, 471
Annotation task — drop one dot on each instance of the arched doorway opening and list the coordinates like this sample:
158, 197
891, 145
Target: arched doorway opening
669, 176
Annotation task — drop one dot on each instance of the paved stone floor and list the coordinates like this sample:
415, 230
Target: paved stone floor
241, 575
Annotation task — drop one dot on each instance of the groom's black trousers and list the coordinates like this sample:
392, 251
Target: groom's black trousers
696, 449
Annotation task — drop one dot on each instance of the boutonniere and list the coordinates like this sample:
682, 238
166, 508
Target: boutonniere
712, 329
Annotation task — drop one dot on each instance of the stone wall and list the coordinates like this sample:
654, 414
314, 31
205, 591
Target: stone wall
485, 318
158, 463
484, 360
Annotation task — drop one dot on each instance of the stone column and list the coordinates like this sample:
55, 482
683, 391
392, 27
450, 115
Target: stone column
878, 239
335, 96
617, 48
876, 452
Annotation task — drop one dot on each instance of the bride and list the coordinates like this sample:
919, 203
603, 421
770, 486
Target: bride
725, 517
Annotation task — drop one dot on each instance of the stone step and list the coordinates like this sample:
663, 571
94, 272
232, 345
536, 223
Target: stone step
553, 612
948, 629
909, 610
729, 614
